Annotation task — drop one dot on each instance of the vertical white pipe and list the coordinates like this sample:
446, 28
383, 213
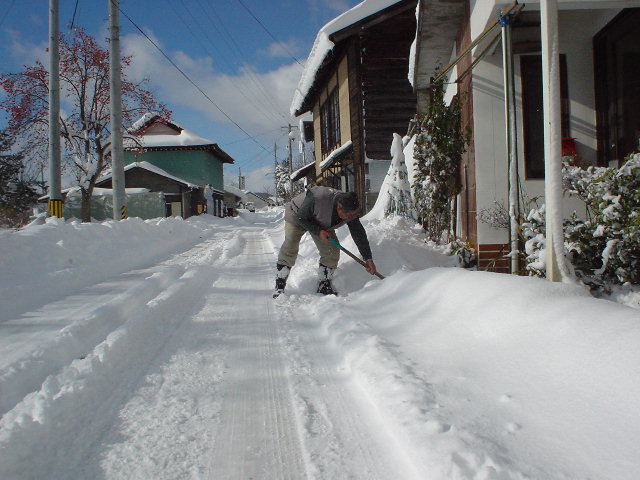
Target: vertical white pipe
556, 269
115, 87
512, 141
55, 193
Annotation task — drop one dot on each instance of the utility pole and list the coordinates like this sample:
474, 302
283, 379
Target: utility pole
55, 193
290, 164
289, 128
115, 100
275, 170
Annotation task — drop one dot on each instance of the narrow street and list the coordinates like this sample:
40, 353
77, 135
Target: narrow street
198, 374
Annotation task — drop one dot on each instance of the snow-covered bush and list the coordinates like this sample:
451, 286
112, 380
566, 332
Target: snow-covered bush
439, 146
606, 246
464, 251
395, 193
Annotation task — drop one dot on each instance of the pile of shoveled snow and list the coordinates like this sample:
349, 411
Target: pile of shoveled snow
42, 263
484, 375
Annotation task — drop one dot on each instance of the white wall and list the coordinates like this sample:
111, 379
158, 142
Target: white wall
577, 29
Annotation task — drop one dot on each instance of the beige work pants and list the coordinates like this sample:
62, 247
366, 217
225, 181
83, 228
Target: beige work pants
329, 253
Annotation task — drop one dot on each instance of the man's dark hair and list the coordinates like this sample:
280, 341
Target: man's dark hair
349, 201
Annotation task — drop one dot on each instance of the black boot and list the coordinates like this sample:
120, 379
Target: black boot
325, 274
282, 273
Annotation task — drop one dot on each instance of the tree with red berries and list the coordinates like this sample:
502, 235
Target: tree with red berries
85, 121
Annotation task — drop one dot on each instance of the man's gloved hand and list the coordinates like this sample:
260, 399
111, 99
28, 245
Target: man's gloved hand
371, 267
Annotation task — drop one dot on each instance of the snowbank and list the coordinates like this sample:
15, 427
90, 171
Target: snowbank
484, 375
41, 263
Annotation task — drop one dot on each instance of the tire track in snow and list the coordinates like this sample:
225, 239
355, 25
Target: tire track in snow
72, 327
343, 437
55, 432
258, 436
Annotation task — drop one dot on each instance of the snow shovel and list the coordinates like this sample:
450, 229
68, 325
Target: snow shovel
337, 244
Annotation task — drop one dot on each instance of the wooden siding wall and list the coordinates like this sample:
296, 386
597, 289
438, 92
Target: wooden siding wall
388, 101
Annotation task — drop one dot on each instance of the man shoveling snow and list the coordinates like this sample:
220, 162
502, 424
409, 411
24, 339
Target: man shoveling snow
319, 211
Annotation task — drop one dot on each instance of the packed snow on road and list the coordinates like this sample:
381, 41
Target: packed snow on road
154, 350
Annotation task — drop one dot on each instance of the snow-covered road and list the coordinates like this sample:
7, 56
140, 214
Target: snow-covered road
186, 369
153, 350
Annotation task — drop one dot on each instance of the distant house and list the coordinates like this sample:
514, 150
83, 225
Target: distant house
599, 97
181, 154
242, 197
356, 86
179, 196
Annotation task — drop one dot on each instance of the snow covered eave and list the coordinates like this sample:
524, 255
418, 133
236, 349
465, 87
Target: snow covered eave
337, 30
335, 155
438, 25
302, 172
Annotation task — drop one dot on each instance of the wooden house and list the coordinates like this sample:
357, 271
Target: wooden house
599, 59
357, 88
181, 154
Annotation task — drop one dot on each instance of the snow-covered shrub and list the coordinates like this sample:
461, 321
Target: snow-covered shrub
439, 146
395, 193
606, 246
464, 251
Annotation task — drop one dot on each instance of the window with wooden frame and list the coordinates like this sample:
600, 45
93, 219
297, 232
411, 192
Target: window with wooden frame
330, 123
533, 113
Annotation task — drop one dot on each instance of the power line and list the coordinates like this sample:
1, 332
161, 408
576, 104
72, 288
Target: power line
73, 19
6, 12
233, 44
191, 81
264, 110
282, 44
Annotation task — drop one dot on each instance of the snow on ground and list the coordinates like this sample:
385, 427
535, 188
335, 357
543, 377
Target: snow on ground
153, 349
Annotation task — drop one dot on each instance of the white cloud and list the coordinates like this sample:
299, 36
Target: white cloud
260, 180
256, 101
27, 52
283, 49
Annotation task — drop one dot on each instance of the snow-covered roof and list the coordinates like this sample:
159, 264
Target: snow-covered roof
235, 191
323, 45
152, 131
151, 168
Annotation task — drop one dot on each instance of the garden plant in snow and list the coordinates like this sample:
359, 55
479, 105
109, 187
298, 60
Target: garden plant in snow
605, 247
439, 147
395, 193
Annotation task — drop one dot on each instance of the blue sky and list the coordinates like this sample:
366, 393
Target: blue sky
217, 43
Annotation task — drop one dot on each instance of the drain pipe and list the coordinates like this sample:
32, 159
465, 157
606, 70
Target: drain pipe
512, 139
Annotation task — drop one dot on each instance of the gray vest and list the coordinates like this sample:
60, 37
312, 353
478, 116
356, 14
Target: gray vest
324, 200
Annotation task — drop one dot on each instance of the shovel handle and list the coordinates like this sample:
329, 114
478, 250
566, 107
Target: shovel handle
364, 264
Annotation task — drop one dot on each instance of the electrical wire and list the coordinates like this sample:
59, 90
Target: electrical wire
234, 45
267, 113
284, 47
190, 80
6, 12
73, 19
